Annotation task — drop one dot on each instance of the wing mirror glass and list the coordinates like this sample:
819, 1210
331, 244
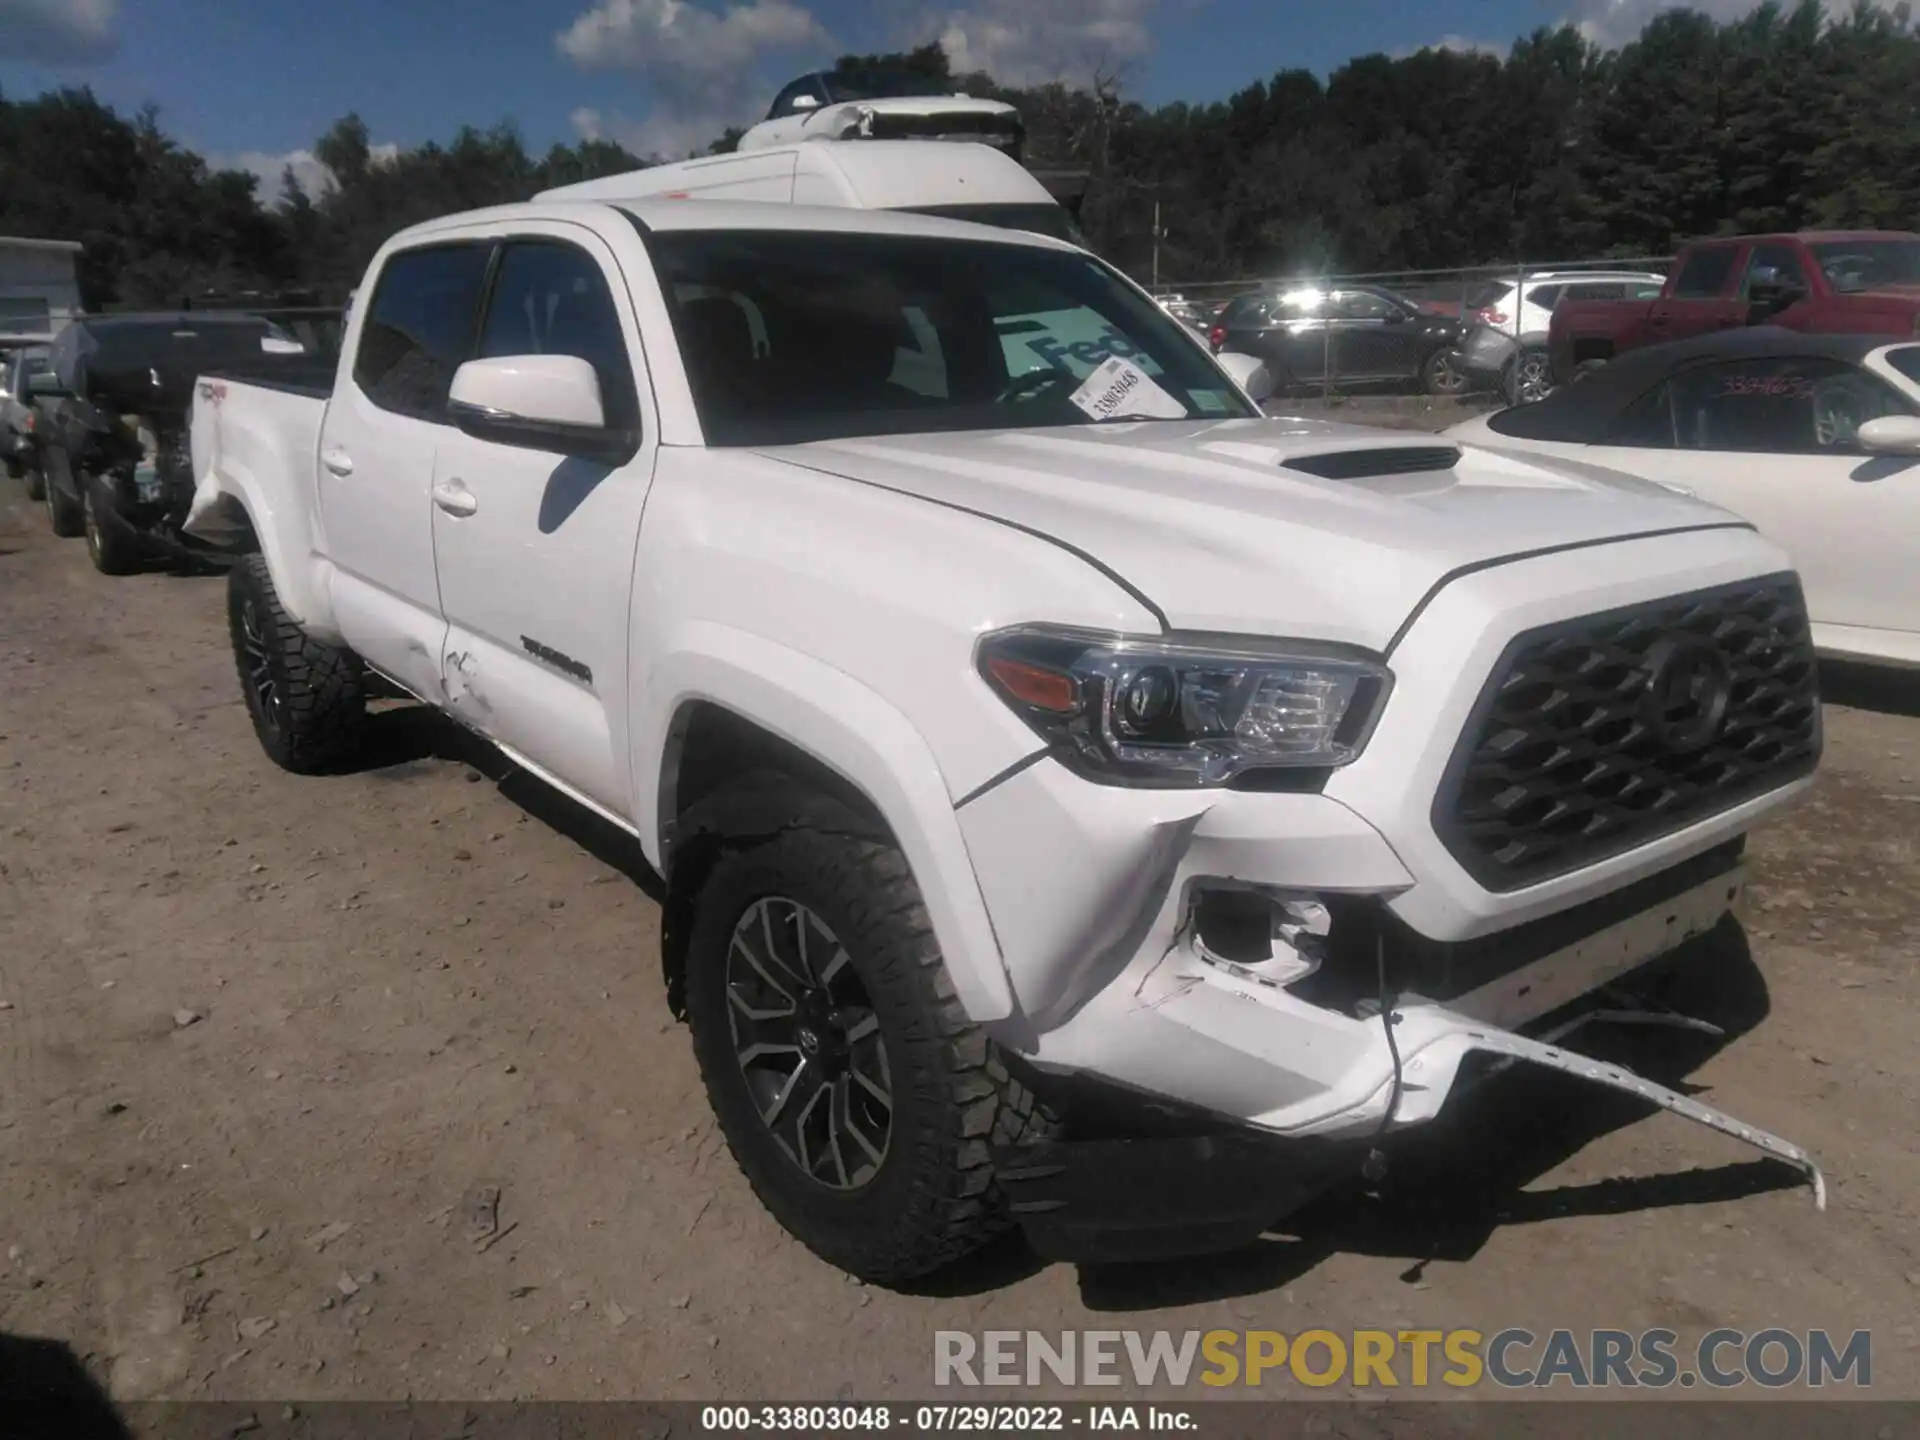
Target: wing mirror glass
1891, 435
537, 402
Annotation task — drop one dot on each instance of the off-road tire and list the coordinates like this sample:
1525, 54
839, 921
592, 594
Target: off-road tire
63, 513
315, 717
932, 1200
111, 544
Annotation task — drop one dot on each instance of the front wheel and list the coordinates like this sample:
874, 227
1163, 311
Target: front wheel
111, 543
1443, 374
853, 1091
307, 700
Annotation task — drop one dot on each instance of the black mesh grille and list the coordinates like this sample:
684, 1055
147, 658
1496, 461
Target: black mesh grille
1571, 756
1358, 464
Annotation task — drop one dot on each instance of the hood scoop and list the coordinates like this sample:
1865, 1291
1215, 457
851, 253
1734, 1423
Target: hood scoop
1363, 464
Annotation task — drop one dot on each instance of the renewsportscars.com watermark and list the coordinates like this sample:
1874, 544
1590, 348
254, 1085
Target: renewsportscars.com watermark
1391, 1359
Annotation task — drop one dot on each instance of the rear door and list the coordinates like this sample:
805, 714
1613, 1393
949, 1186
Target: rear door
535, 550
383, 426
1705, 296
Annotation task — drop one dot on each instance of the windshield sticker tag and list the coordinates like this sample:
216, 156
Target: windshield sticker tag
1211, 401
1119, 388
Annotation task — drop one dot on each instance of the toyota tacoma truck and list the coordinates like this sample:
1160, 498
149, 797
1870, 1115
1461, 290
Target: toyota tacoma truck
1082, 801
1831, 282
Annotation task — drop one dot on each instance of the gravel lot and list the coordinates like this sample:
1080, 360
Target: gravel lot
270, 1045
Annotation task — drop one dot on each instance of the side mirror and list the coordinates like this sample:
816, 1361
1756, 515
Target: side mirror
1250, 373
806, 102
274, 345
1891, 435
1771, 291
537, 402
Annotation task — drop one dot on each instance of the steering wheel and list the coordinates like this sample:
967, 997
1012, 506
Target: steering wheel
1031, 383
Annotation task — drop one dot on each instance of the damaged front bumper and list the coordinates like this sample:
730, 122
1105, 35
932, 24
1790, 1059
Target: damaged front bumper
1238, 1084
1131, 1177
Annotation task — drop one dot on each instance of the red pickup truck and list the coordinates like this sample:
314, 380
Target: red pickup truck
1837, 282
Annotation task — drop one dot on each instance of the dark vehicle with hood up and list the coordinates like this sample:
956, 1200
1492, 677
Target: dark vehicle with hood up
1348, 335
111, 419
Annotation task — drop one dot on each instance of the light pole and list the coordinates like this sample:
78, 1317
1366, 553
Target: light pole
1156, 245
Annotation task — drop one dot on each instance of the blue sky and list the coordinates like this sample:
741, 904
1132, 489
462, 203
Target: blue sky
256, 81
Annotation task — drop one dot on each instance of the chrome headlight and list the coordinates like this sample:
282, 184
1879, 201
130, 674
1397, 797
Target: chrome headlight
1185, 710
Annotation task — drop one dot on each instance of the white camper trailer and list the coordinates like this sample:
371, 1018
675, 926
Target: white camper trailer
957, 179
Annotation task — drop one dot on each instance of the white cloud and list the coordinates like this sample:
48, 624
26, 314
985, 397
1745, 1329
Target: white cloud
58, 32
1613, 23
270, 169
664, 37
703, 67
1027, 42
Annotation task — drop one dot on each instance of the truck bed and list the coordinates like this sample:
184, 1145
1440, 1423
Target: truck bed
307, 375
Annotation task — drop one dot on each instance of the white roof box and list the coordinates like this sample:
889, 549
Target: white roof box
858, 174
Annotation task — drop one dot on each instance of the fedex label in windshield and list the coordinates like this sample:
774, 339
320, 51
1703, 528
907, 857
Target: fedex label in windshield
1072, 340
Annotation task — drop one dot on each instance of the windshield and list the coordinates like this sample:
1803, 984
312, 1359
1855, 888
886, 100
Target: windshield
791, 336
881, 84
1906, 360
1044, 218
1852, 265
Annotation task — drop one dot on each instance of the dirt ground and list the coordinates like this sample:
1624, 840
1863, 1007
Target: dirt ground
270, 1043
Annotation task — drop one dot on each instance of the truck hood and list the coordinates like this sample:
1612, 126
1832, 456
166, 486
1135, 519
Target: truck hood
1214, 525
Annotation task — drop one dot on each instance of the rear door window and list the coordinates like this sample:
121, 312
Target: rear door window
1547, 296
1704, 276
419, 328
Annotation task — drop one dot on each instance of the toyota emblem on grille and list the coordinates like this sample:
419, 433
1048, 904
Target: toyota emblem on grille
1688, 686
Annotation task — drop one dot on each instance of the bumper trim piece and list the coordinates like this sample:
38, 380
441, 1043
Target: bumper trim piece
1615, 1077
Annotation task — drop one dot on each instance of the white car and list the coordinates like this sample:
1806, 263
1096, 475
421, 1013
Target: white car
1813, 438
1524, 309
883, 105
1026, 744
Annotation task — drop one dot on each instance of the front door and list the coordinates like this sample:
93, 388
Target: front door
536, 549
1706, 297
383, 426
1774, 440
1373, 338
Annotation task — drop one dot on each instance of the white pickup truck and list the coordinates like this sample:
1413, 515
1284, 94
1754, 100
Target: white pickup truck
1082, 801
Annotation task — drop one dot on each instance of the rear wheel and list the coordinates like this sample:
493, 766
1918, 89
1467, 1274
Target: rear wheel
63, 504
1529, 378
111, 543
307, 700
853, 1091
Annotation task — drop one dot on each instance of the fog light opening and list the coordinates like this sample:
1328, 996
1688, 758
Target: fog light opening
1272, 937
